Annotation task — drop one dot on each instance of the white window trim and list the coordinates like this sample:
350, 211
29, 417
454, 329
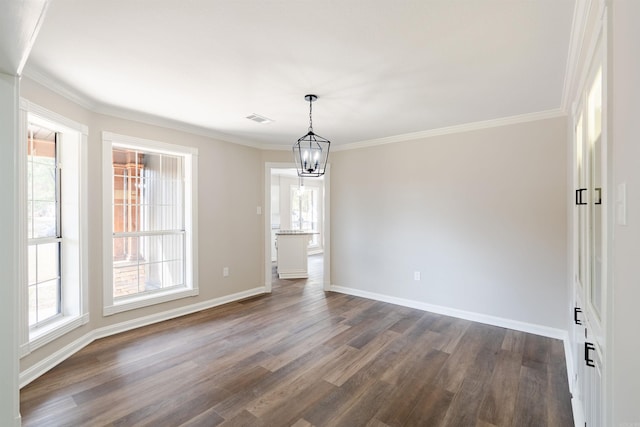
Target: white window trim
111, 306
76, 314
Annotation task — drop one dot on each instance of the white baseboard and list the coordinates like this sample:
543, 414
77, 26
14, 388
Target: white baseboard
54, 359
64, 353
578, 413
460, 314
177, 312
576, 404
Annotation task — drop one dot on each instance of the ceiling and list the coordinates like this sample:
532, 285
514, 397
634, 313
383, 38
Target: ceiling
380, 68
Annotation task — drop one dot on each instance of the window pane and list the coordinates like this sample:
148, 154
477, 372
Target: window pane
173, 248
125, 280
33, 305
594, 108
32, 262
119, 216
48, 298
41, 183
44, 301
43, 260
153, 162
152, 276
44, 219
29, 219
171, 218
29, 180
148, 198
44, 181
43, 270
151, 248
173, 274
131, 217
48, 264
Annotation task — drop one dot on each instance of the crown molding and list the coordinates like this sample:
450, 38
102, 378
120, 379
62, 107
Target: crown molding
150, 119
126, 114
37, 75
95, 106
466, 127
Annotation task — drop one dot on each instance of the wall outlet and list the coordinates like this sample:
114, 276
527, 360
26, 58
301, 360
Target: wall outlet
259, 210
225, 272
416, 275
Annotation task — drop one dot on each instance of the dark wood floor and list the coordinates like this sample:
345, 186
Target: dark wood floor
303, 357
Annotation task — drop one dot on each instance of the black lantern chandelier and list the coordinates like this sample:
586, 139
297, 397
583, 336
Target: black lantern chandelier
311, 152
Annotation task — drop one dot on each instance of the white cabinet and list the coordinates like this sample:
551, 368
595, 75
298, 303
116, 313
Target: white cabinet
590, 243
292, 254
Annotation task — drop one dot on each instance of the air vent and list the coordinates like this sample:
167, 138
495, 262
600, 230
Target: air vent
259, 119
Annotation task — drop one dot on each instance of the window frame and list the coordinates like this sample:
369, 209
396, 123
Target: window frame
111, 304
57, 237
73, 255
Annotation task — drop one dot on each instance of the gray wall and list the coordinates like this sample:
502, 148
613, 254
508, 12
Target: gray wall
481, 214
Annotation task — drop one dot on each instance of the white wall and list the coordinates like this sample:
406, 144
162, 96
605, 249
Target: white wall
9, 398
481, 215
625, 291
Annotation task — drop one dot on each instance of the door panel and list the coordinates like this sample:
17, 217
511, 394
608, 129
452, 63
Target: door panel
590, 244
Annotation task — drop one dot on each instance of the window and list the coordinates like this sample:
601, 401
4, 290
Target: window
150, 222
53, 227
43, 225
305, 210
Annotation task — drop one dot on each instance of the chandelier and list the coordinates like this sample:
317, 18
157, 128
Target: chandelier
311, 152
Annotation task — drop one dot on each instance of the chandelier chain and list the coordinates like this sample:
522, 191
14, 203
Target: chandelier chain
310, 115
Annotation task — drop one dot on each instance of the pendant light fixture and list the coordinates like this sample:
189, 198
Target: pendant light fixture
311, 152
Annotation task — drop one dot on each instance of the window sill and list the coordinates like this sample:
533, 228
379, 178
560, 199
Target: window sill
132, 303
44, 335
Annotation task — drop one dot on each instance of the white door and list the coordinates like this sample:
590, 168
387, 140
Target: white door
590, 243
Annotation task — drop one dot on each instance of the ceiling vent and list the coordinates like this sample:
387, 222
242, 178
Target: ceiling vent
259, 119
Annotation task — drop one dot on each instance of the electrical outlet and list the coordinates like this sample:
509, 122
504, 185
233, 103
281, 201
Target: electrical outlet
225, 272
416, 275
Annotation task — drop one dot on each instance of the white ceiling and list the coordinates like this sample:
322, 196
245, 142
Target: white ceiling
380, 68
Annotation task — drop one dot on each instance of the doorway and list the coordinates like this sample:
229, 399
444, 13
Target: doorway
294, 204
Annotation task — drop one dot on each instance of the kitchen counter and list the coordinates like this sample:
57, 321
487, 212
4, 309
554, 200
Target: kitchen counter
292, 257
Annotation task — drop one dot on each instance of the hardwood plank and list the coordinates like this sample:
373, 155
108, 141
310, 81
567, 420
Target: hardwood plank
243, 419
296, 350
431, 407
305, 357
292, 405
514, 341
531, 403
536, 350
208, 418
416, 375
499, 402
476, 337
241, 400
360, 411
407, 321
465, 407
559, 408
361, 358
345, 396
